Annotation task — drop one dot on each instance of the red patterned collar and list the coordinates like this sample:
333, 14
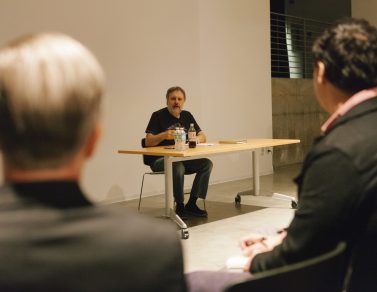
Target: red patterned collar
353, 101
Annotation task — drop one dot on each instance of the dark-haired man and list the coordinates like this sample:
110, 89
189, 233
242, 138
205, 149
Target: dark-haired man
338, 182
337, 186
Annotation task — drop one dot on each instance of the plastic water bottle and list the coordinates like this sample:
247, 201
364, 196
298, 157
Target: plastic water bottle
180, 139
192, 136
183, 139
177, 138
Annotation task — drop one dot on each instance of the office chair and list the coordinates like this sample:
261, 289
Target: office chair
324, 273
145, 161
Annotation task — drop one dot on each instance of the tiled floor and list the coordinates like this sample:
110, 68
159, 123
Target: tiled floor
220, 202
211, 241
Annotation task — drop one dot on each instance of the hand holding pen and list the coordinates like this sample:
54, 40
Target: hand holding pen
254, 244
257, 243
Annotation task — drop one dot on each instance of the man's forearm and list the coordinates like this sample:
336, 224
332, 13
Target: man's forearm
154, 140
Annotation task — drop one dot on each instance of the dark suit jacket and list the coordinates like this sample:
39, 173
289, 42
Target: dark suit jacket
337, 191
53, 239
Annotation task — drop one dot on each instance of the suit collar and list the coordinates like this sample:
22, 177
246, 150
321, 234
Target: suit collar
361, 109
57, 194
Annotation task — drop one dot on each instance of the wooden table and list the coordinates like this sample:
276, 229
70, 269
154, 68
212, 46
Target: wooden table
171, 155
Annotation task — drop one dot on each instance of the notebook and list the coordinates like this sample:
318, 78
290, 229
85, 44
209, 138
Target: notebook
233, 141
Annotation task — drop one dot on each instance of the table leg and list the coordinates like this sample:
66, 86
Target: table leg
169, 205
169, 201
256, 187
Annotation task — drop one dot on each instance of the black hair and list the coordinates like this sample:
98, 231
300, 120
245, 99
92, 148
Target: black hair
348, 49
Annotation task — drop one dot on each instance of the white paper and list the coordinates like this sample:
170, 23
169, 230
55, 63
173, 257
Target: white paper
236, 262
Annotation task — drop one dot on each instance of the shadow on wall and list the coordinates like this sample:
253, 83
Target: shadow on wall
115, 194
296, 114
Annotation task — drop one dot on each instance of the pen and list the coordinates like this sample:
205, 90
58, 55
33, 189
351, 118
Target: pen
259, 240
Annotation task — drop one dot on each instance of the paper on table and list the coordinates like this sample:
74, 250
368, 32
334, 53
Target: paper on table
236, 262
204, 144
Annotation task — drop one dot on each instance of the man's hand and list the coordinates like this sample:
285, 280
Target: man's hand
251, 239
201, 137
169, 134
254, 244
258, 243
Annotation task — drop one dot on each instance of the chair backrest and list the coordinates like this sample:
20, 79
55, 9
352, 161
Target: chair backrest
146, 158
143, 142
324, 273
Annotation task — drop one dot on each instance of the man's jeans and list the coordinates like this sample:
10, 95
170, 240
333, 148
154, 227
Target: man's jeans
202, 167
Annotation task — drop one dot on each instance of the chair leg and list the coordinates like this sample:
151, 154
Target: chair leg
141, 192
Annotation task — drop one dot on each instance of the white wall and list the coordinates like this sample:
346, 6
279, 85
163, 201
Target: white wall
235, 82
365, 9
218, 50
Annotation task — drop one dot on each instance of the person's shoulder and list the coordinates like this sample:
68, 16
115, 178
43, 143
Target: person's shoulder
186, 113
138, 241
160, 114
130, 222
161, 111
353, 134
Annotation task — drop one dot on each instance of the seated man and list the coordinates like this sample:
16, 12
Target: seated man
52, 237
160, 131
337, 186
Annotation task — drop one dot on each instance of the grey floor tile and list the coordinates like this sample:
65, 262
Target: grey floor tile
211, 241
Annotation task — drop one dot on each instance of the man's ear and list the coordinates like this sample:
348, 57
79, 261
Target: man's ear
92, 140
320, 76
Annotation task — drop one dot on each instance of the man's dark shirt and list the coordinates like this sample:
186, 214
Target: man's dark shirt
162, 120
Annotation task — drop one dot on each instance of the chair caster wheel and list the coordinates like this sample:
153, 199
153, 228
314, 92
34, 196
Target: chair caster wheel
237, 200
294, 205
184, 233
